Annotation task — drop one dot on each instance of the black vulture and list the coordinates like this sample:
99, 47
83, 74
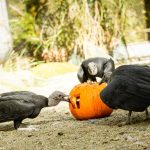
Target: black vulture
128, 89
96, 67
19, 105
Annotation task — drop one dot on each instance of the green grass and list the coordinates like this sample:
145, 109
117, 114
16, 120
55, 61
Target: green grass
47, 70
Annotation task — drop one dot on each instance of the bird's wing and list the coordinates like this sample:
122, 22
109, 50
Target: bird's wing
19, 97
135, 95
142, 90
126, 94
38, 100
81, 75
114, 93
129, 88
136, 78
25, 97
14, 109
109, 66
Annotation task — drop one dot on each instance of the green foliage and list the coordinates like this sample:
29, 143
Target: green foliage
45, 27
25, 28
25, 35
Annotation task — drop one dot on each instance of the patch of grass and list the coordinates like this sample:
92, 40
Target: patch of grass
47, 70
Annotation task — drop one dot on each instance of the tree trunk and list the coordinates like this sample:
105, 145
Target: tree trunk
5, 35
147, 14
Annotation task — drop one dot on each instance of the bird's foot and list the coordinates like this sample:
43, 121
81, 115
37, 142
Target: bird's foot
128, 122
28, 128
89, 81
17, 124
123, 124
147, 115
146, 119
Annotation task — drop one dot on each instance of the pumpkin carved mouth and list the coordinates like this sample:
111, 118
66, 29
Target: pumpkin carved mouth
78, 103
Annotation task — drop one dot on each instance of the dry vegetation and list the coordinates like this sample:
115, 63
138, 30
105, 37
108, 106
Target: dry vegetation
55, 30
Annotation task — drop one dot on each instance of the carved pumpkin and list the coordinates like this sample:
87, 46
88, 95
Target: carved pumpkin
85, 102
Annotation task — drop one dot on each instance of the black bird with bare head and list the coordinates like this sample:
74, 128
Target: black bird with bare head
19, 105
56, 97
128, 89
96, 67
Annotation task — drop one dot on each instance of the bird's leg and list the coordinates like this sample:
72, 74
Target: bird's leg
147, 114
129, 117
17, 124
24, 127
89, 81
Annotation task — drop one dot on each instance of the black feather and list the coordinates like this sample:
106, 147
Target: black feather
128, 89
18, 105
105, 68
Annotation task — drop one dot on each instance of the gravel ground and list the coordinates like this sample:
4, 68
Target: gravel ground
56, 129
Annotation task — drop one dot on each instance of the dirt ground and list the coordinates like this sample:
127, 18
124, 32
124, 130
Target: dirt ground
56, 129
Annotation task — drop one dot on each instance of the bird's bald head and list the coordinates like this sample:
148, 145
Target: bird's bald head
92, 68
56, 97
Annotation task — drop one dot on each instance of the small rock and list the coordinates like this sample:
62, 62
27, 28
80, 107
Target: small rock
67, 113
93, 121
141, 143
30, 135
60, 133
115, 139
120, 125
131, 139
121, 133
105, 142
146, 148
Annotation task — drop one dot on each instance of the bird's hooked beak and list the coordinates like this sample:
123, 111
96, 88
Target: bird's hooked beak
72, 100
66, 98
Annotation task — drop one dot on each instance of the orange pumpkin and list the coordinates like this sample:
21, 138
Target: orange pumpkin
85, 102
